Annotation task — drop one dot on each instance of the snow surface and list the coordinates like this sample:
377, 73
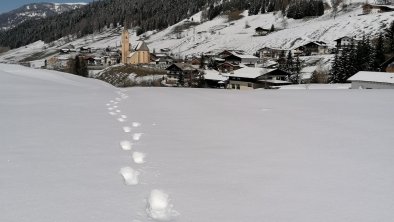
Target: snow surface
214, 155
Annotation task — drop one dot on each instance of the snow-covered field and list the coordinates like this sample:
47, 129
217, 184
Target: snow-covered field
75, 149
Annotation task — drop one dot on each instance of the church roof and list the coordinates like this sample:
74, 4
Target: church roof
141, 46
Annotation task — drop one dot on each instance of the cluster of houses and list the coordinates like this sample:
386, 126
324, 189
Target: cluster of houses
229, 69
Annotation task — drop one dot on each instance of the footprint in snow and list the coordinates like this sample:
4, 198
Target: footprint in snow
129, 175
127, 129
110, 108
137, 136
159, 206
112, 113
139, 158
107, 104
126, 145
136, 124
121, 120
266, 109
124, 116
118, 111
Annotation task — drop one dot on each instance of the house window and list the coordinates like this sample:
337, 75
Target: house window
233, 86
249, 84
238, 86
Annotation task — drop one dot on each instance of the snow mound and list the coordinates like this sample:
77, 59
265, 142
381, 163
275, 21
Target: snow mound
130, 175
159, 207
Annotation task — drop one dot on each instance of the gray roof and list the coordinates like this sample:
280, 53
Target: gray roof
141, 46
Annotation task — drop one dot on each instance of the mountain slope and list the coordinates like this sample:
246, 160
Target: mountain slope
15, 17
145, 14
219, 34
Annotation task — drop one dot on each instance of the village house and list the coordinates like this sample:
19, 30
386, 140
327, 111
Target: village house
162, 59
311, 48
372, 80
112, 59
227, 67
262, 31
59, 62
215, 79
346, 41
273, 53
85, 49
238, 57
229, 52
252, 78
175, 70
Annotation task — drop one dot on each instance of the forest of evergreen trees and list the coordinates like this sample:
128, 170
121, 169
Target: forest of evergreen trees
145, 14
363, 56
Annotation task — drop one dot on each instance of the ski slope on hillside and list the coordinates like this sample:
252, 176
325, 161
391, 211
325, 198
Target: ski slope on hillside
75, 149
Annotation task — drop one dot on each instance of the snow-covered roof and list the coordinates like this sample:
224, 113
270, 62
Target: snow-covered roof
251, 73
242, 56
277, 81
215, 75
382, 77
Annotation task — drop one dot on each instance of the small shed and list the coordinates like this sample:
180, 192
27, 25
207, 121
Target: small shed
372, 80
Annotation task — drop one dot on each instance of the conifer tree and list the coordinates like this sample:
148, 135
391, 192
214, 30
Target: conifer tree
202, 60
389, 34
363, 55
335, 69
272, 28
282, 61
352, 56
289, 63
181, 80
297, 70
379, 57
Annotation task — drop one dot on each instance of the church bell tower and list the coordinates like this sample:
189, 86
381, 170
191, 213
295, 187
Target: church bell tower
125, 43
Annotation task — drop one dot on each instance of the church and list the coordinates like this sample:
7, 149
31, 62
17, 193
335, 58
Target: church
137, 55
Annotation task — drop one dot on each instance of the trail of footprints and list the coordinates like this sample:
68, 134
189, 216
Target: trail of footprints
158, 205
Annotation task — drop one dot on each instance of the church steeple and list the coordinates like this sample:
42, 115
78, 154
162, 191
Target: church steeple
125, 42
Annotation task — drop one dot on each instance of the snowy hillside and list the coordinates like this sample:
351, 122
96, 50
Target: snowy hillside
75, 149
35, 10
219, 34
